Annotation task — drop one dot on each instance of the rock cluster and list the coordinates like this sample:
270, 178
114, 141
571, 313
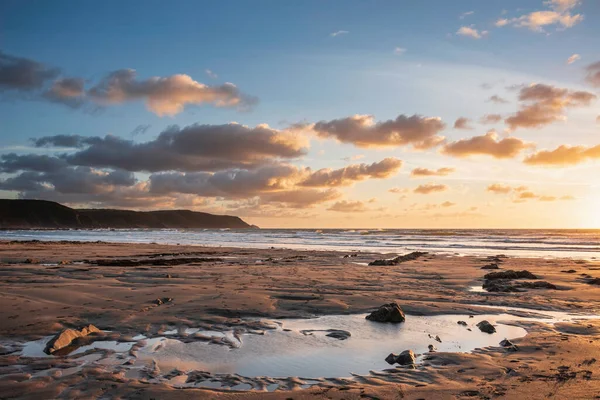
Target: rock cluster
407, 357
485, 326
400, 259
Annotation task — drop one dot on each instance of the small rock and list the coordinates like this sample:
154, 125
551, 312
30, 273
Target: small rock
432, 348
485, 326
391, 358
463, 323
437, 338
387, 313
506, 343
490, 266
339, 334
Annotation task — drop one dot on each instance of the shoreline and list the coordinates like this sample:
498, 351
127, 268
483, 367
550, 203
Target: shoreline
114, 286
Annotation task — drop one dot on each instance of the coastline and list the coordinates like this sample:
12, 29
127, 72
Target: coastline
48, 286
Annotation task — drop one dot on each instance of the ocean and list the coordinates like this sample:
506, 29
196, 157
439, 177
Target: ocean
580, 244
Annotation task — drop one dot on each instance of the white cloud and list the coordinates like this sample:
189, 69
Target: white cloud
466, 14
471, 32
399, 50
338, 33
573, 58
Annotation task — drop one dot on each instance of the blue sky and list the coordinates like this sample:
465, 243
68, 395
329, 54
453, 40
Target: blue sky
388, 58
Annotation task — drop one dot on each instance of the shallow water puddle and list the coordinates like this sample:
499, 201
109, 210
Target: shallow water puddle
299, 347
283, 353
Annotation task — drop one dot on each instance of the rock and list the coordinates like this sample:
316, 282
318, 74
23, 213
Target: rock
67, 336
339, 334
491, 266
400, 259
538, 285
437, 338
432, 348
407, 357
509, 345
570, 271
485, 326
32, 261
463, 323
510, 274
160, 302
500, 286
593, 281
387, 313
391, 358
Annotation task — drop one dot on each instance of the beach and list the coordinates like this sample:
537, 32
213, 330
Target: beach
126, 290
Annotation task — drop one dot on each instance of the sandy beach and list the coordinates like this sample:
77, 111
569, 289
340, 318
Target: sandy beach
128, 290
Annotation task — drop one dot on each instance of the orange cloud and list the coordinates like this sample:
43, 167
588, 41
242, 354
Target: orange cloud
353, 173
499, 188
462, 123
491, 119
430, 188
564, 155
348, 206
419, 172
488, 144
363, 131
545, 104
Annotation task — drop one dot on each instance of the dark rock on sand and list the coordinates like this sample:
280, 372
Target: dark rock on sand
160, 302
431, 348
538, 285
510, 274
400, 259
387, 313
485, 326
509, 345
66, 337
570, 271
491, 266
506, 286
391, 358
339, 334
463, 323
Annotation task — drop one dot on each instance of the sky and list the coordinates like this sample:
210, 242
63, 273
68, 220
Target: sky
307, 114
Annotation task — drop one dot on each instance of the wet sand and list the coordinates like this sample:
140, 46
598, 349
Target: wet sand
45, 287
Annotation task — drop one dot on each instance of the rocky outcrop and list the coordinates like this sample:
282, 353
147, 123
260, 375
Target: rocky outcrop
485, 326
400, 259
510, 274
66, 337
387, 313
491, 266
407, 357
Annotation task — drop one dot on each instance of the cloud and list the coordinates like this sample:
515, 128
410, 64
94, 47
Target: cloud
11, 163
559, 14
363, 131
447, 204
420, 172
398, 190
348, 206
498, 188
301, 198
354, 157
211, 74
489, 144
573, 58
22, 74
564, 155
466, 14
491, 119
544, 104
593, 74
338, 33
165, 95
327, 177
462, 123
497, 99
192, 148
471, 32
399, 50
140, 130
430, 188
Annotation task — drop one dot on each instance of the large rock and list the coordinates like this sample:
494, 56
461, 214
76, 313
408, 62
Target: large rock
387, 313
407, 357
400, 259
66, 337
485, 326
510, 274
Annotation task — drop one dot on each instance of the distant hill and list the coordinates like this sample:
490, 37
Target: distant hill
34, 214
